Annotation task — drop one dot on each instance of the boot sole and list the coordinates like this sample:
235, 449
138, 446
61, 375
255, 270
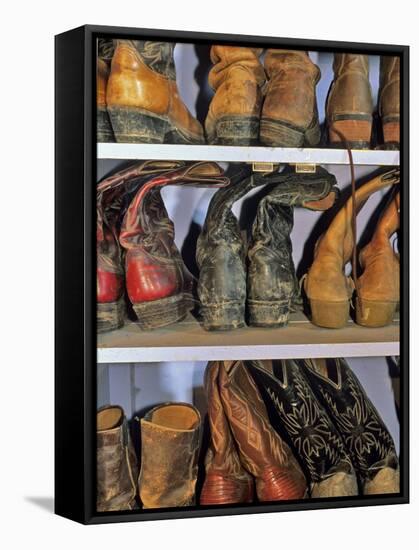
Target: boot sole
374, 314
356, 130
268, 314
329, 314
278, 133
235, 130
160, 313
110, 316
391, 132
222, 317
104, 132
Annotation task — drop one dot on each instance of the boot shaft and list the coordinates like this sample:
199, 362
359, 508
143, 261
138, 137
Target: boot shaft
346, 63
231, 61
288, 61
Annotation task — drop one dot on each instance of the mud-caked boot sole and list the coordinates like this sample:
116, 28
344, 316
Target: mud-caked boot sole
278, 133
104, 132
223, 316
268, 314
160, 313
234, 130
110, 316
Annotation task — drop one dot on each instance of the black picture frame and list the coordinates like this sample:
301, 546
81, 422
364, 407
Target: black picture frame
75, 290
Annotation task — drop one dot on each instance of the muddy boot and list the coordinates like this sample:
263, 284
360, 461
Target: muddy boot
301, 420
389, 100
366, 438
117, 469
349, 103
289, 115
143, 98
271, 279
226, 481
169, 455
327, 287
104, 58
262, 451
378, 289
237, 78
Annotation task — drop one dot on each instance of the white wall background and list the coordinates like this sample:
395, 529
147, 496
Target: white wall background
27, 97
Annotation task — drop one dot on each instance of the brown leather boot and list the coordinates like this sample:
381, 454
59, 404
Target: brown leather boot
116, 462
389, 100
378, 289
104, 130
169, 455
349, 103
289, 115
143, 99
237, 78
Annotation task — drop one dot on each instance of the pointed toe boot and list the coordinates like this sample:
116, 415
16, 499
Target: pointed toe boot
389, 100
364, 433
104, 130
289, 114
170, 436
327, 287
117, 469
349, 102
143, 99
237, 77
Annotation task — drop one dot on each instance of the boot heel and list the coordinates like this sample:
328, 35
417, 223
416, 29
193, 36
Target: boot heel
357, 131
277, 134
104, 133
110, 316
313, 135
236, 130
133, 125
223, 317
268, 314
391, 133
160, 313
374, 314
329, 314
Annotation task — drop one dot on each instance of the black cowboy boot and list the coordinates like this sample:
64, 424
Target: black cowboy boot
367, 439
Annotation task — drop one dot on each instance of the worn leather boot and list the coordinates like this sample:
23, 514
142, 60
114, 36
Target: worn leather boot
378, 288
366, 438
271, 281
226, 481
349, 104
327, 287
389, 100
289, 115
169, 455
143, 99
104, 130
301, 420
234, 113
262, 451
117, 469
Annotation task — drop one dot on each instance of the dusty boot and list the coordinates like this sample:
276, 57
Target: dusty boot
271, 279
300, 419
349, 103
226, 481
169, 455
289, 115
262, 451
104, 58
366, 438
143, 99
237, 78
389, 100
117, 469
327, 288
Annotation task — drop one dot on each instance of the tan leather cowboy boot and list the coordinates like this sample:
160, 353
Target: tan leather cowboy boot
289, 114
378, 289
116, 462
169, 455
104, 58
389, 100
143, 99
349, 103
328, 289
237, 78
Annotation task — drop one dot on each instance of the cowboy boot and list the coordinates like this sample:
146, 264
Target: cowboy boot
366, 438
289, 115
327, 288
143, 98
116, 462
157, 281
300, 419
262, 451
389, 100
226, 481
104, 58
271, 281
378, 289
349, 102
237, 77
169, 455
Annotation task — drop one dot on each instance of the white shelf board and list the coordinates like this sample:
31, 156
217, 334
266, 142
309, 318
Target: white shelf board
188, 341
280, 155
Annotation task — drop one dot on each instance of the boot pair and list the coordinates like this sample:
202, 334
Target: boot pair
329, 290
142, 98
349, 109
276, 104
135, 244
170, 437
267, 284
